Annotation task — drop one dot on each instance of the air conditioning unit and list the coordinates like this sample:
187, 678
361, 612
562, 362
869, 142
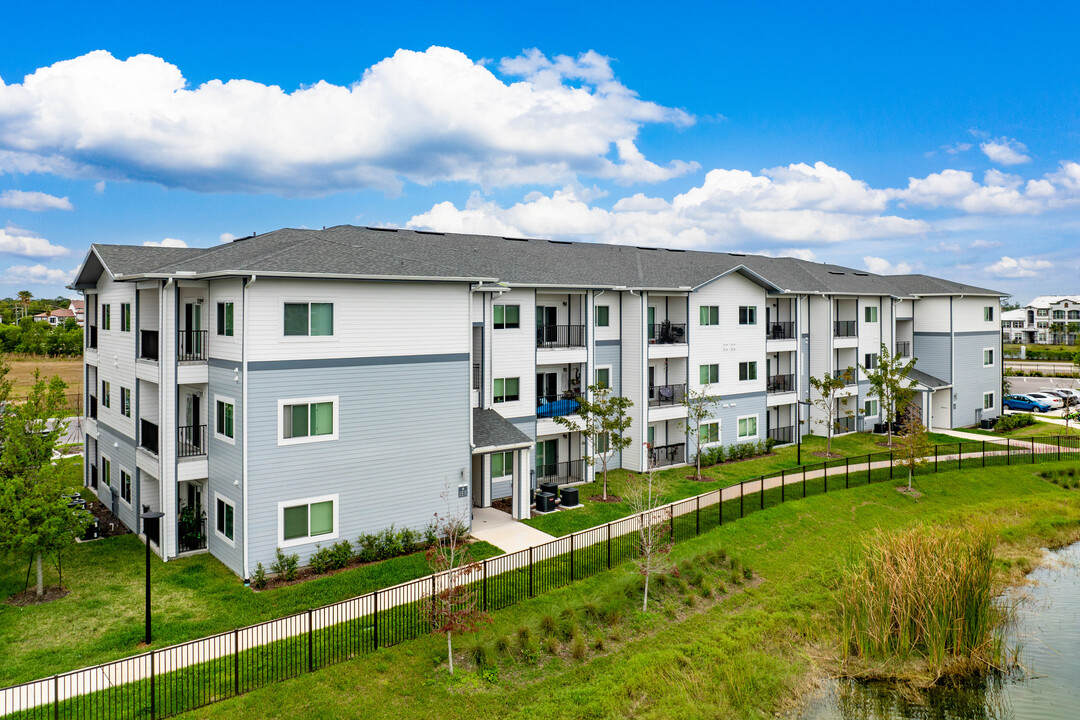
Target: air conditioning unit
987, 424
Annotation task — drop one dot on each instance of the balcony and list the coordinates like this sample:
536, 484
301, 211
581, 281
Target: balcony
845, 328
191, 345
845, 424
664, 455
191, 441
93, 477
667, 333
661, 395
549, 406
560, 336
780, 331
847, 375
91, 337
561, 473
191, 528
91, 408
477, 377
148, 436
782, 435
780, 383
903, 348
148, 345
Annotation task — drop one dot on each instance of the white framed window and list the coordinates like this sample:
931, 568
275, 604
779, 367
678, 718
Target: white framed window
106, 470
125, 401
708, 374
871, 407
106, 316
988, 357
870, 313
307, 420
105, 387
507, 317
603, 316
225, 519
709, 315
308, 319
1043, 312
1058, 314
748, 427
125, 317
506, 389
988, 400
307, 520
125, 486
224, 419
225, 319
748, 370
748, 314
988, 313
710, 432
502, 464
871, 361
603, 376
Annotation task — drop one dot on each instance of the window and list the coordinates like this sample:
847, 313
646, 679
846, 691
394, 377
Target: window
1074, 314
507, 316
603, 377
709, 374
314, 518
870, 314
1043, 324
1041, 312
125, 317
125, 486
748, 370
871, 407
603, 444
225, 518
988, 401
1058, 314
225, 319
106, 471
709, 314
871, 361
106, 317
223, 424
314, 419
988, 357
603, 315
748, 427
502, 464
125, 401
506, 389
105, 401
314, 319
710, 433
748, 315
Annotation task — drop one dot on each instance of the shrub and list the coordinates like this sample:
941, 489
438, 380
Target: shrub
1005, 423
285, 566
320, 560
340, 554
258, 578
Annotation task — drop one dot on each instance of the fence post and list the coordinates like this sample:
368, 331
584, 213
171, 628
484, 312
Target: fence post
608, 546
891, 464
741, 496
485, 586
782, 483
984, 453
698, 519
153, 699
804, 482
825, 476
761, 485
960, 455
531, 561
310, 643
671, 530
720, 505
847, 472
935, 457
1059, 447
56, 697
571, 557
1032, 451
1008, 452
375, 599
236, 662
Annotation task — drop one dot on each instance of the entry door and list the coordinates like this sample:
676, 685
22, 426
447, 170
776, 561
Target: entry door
193, 323
547, 387
547, 319
194, 495
192, 413
652, 323
547, 457
652, 382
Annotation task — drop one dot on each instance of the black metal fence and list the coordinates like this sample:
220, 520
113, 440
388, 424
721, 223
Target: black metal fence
660, 395
183, 677
845, 328
477, 377
191, 441
782, 435
561, 473
780, 383
780, 330
667, 333
664, 455
191, 345
560, 336
903, 348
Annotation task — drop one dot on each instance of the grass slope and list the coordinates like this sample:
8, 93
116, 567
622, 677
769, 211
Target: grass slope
1039, 429
752, 655
22, 370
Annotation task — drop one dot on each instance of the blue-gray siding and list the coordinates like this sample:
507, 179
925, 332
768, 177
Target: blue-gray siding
610, 354
226, 465
738, 406
121, 455
933, 353
972, 379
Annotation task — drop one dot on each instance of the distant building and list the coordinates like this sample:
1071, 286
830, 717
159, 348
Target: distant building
1046, 320
79, 308
56, 317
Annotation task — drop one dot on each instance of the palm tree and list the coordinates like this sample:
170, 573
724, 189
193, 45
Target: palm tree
25, 297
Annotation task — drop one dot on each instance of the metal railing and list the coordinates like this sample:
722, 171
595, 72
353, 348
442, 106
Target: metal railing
847, 375
148, 436
560, 336
782, 435
180, 678
780, 330
780, 383
91, 337
91, 408
190, 345
664, 455
845, 424
667, 333
660, 395
561, 473
477, 377
548, 406
93, 477
845, 328
191, 528
148, 344
903, 348
190, 441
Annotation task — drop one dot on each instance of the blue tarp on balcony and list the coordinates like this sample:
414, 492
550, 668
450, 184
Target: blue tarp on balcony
557, 408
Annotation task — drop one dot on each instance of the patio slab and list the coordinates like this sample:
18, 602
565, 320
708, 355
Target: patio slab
503, 531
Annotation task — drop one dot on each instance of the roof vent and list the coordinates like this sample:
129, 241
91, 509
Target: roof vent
516, 239
642, 247
378, 229
674, 250
836, 272
428, 232
244, 238
560, 242
737, 254
863, 274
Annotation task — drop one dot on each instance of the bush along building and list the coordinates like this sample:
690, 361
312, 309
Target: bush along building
295, 388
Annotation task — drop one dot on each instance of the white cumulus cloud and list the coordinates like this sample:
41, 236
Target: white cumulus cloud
1019, 267
998, 194
1005, 151
418, 116
166, 242
17, 241
881, 266
226, 237
33, 201
39, 275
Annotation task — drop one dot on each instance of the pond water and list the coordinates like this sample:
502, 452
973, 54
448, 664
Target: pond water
1048, 630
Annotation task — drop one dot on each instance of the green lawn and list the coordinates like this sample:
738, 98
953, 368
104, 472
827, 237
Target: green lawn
1012, 348
1039, 429
679, 486
753, 655
102, 618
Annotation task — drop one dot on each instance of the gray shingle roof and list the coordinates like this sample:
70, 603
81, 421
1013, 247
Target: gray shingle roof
490, 429
349, 251
926, 379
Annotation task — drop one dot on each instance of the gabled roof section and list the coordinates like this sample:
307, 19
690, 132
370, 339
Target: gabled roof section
492, 430
927, 285
927, 380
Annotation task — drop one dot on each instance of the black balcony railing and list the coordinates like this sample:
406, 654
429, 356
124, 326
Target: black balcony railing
549, 406
667, 333
191, 345
663, 455
91, 408
560, 336
148, 344
847, 375
782, 435
477, 377
780, 331
780, 384
660, 395
191, 528
190, 441
845, 424
903, 348
846, 328
148, 436
561, 473
93, 477
91, 337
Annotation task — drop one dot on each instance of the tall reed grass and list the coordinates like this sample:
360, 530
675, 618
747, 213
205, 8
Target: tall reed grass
924, 596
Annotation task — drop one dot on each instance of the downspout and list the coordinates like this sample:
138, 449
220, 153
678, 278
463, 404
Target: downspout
162, 502
244, 399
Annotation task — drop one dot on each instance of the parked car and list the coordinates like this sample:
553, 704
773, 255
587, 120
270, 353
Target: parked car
1023, 402
1052, 400
1074, 394
1066, 396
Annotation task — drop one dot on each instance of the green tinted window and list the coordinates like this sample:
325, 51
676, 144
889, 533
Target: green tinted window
296, 319
322, 319
296, 522
322, 518
322, 418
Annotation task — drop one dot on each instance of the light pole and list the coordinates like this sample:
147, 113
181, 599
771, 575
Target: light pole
151, 526
798, 427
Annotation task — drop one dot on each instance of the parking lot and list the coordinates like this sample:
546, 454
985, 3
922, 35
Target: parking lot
1021, 385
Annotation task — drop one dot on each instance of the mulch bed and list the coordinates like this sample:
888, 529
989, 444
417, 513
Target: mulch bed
887, 445
108, 524
609, 499
701, 478
834, 456
910, 492
505, 504
30, 597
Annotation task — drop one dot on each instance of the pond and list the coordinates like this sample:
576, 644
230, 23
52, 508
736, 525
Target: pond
1048, 630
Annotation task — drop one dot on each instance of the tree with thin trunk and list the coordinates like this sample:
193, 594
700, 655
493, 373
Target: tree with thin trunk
1074, 330
699, 408
890, 383
825, 389
1076, 361
645, 496
453, 604
913, 446
604, 422
25, 298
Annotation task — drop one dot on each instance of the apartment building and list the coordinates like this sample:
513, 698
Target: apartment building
290, 389
1046, 320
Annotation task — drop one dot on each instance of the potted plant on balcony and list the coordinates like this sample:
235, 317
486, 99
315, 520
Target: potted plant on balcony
192, 527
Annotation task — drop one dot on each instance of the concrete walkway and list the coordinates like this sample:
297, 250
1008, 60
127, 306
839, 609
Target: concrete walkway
503, 531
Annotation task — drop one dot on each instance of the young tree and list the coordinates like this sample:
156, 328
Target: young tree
913, 446
1076, 361
699, 407
604, 422
826, 388
453, 605
1073, 329
645, 495
890, 383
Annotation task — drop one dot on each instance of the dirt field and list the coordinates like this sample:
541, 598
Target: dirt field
70, 371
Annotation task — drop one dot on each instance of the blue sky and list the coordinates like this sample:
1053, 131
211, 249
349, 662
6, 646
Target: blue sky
931, 137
